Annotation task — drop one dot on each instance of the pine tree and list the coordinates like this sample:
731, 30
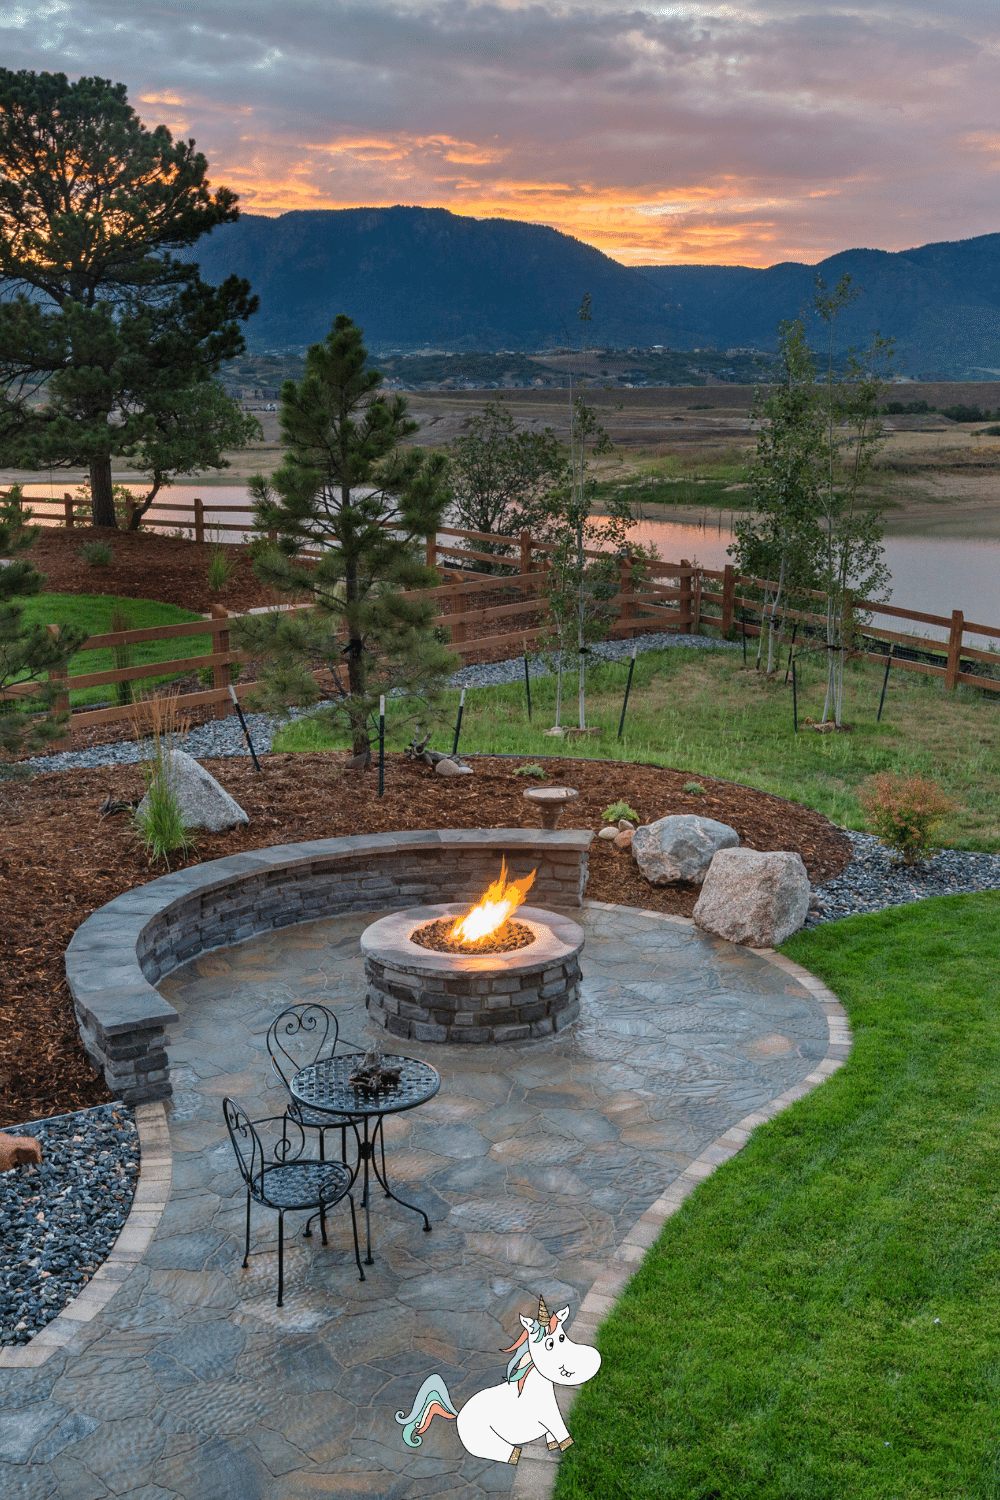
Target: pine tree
346, 487
28, 653
108, 344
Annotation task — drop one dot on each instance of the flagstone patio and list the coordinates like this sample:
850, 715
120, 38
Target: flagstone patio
537, 1163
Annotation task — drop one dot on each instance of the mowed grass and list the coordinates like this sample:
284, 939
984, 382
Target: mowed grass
701, 711
821, 1318
93, 612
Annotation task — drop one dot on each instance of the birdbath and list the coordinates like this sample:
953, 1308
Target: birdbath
550, 801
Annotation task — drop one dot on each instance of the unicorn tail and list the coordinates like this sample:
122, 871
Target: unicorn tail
432, 1400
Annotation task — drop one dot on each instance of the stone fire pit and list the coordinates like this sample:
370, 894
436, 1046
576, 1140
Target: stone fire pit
428, 996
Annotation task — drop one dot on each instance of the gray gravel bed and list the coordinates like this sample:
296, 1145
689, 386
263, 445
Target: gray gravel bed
875, 880
224, 737
59, 1221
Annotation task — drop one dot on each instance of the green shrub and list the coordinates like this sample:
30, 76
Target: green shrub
221, 567
906, 408
531, 769
903, 812
993, 431
97, 555
965, 413
619, 810
695, 788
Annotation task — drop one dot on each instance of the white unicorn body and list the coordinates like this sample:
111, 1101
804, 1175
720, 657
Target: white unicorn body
496, 1423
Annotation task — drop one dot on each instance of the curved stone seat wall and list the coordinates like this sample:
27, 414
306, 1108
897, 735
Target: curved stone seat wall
125, 948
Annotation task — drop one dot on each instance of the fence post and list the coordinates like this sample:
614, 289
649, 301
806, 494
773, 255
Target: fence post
432, 550
626, 585
199, 520
60, 702
954, 649
221, 673
696, 619
525, 551
728, 598
684, 602
68, 511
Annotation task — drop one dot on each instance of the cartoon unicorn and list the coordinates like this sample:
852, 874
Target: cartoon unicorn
497, 1422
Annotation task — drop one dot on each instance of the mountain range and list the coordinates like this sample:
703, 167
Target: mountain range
424, 278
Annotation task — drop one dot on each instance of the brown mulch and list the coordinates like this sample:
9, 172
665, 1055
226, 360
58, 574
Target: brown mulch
147, 565
59, 862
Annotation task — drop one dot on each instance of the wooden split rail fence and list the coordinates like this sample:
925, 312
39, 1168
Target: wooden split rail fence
484, 613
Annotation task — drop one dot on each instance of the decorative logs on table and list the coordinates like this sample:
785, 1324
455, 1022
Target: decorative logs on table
550, 802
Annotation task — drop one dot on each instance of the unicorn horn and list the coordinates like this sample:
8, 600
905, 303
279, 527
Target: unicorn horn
543, 1312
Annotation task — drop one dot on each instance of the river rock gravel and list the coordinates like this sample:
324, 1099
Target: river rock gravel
59, 1221
875, 879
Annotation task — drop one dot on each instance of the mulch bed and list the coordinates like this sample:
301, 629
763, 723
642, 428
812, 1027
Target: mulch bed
147, 565
59, 862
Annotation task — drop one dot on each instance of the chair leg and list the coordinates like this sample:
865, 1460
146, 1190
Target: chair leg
354, 1226
246, 1253
281, 1257
343, 1144
322, 1148
322, 1222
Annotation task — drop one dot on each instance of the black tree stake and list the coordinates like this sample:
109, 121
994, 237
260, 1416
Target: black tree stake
885, 681
458, 723
631, 669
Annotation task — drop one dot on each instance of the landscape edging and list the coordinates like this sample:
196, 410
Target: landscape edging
121, 952
148, 1203
535, 1475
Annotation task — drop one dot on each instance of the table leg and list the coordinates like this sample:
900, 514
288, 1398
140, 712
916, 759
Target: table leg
383, 1179
365, 1148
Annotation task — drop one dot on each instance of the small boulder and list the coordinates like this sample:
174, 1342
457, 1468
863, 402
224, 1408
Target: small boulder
448, 767
626, 824
608, 833
19, 1151
623, 838
753, 898
203, 802
680, 847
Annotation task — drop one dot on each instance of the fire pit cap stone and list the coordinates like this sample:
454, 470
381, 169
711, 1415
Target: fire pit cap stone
387, 941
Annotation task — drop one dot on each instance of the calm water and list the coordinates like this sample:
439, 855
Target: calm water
928, 574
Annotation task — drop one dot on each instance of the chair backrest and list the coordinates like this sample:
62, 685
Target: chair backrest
247, 1143
252, 1155
301, 1034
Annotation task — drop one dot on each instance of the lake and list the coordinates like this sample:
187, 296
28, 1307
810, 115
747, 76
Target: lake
934, 575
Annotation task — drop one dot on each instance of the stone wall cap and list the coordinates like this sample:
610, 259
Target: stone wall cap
127, 1007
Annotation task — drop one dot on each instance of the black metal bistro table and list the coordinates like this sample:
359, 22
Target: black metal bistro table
326, 1085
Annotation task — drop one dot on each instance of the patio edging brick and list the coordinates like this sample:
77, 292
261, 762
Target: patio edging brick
151, 1192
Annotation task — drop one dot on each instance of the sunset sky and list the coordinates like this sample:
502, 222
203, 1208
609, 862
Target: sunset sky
728, 133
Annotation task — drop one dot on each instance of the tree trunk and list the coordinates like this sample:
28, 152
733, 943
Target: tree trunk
356, 708
102, 499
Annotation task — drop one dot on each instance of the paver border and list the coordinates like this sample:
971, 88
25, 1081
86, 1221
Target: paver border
156, 1159
535, 1476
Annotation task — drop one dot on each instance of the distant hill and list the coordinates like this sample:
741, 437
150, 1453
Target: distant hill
424, 278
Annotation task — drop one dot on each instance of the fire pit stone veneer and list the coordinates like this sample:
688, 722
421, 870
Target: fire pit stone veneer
429, 996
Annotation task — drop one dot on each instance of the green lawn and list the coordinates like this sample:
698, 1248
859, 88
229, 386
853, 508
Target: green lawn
822, 1317
93, 612
701, 711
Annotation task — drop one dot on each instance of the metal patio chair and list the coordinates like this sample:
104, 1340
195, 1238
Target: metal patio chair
298, 1036
283, 1180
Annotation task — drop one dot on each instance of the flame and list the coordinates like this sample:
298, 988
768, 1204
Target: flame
492, 911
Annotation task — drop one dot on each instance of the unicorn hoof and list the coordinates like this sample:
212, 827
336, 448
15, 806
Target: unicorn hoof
515, 1454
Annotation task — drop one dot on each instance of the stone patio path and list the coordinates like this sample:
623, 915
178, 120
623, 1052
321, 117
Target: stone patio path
534, 1162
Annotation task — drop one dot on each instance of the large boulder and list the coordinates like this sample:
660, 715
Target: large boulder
680, 847
752, 898
202, 800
